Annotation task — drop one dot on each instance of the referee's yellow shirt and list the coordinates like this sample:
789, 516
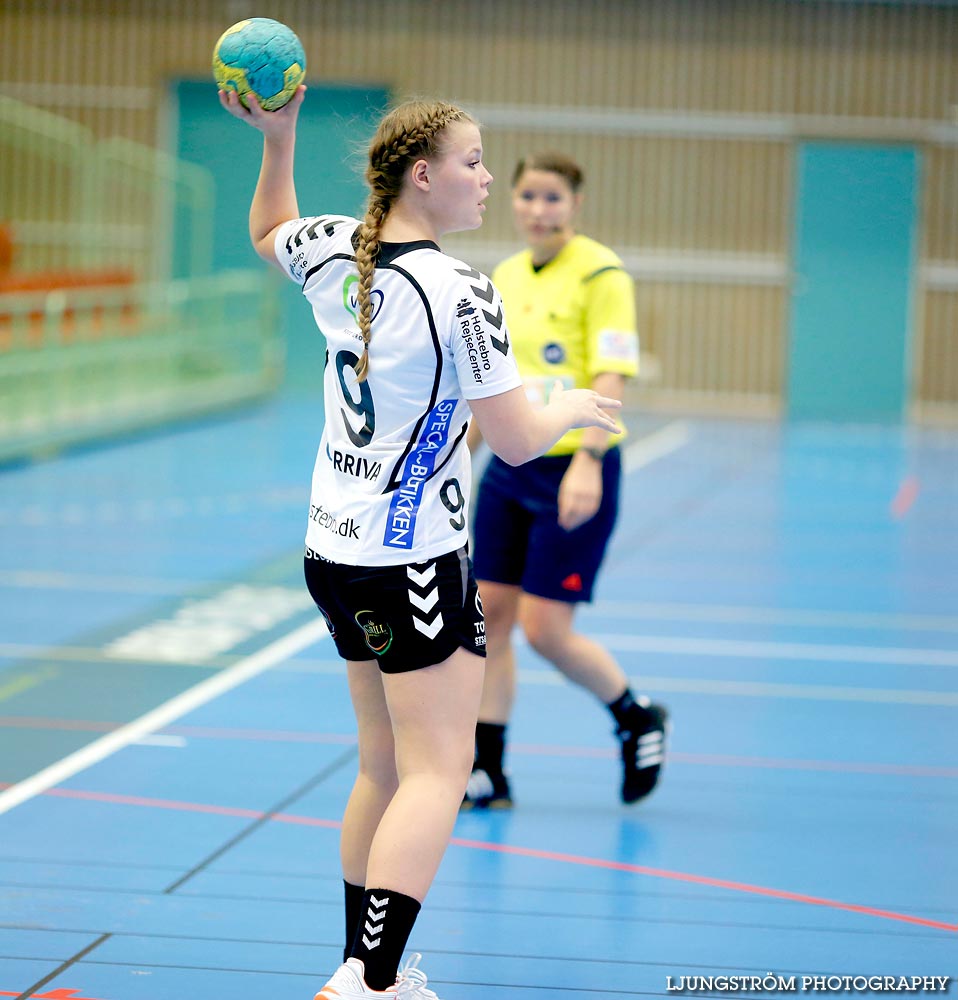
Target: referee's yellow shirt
571, 320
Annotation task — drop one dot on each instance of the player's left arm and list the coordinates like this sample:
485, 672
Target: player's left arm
613, 353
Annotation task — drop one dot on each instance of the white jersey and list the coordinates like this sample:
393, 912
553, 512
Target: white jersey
392, 476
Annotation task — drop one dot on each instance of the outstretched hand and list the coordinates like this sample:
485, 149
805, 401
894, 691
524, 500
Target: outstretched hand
588, 408
271, 123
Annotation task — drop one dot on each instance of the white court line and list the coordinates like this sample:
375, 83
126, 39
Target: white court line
163, 715
656, 445
177, 742
730, 614
43, 580
814, 692
777, 650
762, 689
60, 655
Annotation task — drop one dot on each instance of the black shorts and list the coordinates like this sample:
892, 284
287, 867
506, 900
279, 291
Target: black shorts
406, 617
516, 533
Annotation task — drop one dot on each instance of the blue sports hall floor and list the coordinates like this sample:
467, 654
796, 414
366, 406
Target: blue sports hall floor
176, 741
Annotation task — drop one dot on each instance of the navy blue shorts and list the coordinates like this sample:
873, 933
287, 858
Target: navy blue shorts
516, 533
406, 617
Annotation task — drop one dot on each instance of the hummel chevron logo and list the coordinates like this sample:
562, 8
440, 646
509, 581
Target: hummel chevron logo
486, 293
429, 629
310, 230
421, 579
424, 603
295, 240
502, 346
496, 320
372, 939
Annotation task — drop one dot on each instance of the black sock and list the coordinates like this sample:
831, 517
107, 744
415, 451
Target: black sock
354, 907
622, 709
490, 747
385, 923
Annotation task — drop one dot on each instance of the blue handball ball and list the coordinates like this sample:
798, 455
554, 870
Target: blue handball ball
260, 56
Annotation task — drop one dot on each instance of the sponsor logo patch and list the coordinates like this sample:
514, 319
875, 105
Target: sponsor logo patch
353, 465
345, 529
404, 506
379, 636
480, 623
351, 298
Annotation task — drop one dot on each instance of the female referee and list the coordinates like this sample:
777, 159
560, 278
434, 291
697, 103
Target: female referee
416, 343
541, 530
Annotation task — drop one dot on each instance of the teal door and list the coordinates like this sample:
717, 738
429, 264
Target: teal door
335, 124
854, 262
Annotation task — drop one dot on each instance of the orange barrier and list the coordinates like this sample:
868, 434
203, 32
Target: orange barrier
39, 282
45, 281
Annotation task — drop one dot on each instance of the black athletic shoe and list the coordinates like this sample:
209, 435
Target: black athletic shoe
643, 749
485, 791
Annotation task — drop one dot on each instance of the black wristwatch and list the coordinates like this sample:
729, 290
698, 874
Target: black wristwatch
597, 453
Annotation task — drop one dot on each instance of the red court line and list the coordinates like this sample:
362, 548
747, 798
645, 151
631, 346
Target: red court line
58, 994
179, 806
757, 890
525, 852
840, 766
138, 800
199, 732
66, 725
730, 760
266, 735
905, 497
529, 749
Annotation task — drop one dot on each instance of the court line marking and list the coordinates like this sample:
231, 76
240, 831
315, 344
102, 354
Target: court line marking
717, 883
905, 497
162, 715
667, 644
95, 654
836, 766
725, 614
179, 736
722, 614
665, 685
764, 689
754, 650
23, 682
656, 445
736, 760
527, 852
810, 692
46, 580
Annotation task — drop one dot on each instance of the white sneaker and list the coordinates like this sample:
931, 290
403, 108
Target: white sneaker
348, 984
411, 981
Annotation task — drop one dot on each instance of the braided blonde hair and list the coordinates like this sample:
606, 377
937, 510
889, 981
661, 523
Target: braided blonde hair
412, 131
